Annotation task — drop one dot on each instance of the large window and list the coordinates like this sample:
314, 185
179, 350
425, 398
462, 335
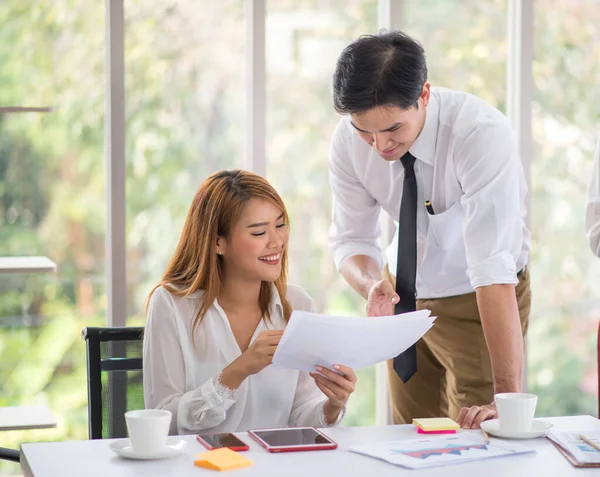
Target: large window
303, 42
185, 111
51, 203
565, 275
185, 118
465, 44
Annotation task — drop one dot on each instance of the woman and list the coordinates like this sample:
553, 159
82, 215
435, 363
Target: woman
215, 319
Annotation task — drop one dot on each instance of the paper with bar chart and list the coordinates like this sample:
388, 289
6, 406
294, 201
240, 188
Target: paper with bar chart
438, 451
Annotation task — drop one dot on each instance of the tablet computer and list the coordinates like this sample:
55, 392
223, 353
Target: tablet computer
292, 439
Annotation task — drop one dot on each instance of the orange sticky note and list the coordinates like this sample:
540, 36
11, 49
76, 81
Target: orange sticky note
222, 459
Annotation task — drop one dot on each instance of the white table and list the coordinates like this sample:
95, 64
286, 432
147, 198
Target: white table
26, 265
94, 458
16, 418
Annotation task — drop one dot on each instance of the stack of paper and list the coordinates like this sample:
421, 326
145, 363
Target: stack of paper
438, 451
312, 340
577, 451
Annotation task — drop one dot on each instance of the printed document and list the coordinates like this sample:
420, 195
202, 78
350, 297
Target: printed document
311, 339
439, 451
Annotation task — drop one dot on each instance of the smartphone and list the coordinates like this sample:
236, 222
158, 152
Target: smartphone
226, 439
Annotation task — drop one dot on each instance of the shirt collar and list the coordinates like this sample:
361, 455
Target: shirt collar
275, 301
424, 146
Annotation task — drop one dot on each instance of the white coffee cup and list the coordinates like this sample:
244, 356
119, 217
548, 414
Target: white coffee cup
515, 411
148, 429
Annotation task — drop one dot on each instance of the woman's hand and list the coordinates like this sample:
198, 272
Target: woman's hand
257, 357
337, 385
260, 353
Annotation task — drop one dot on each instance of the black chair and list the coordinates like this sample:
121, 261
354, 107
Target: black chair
9, 454
114, 373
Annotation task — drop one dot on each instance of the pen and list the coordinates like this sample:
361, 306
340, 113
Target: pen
588, 441
486, 438
429, 207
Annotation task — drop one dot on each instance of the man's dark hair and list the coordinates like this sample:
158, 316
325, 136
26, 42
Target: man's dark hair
385, 69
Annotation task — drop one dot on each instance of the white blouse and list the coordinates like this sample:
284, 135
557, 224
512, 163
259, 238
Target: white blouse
182, 376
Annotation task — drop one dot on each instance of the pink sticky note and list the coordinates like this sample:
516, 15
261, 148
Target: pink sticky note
450, 431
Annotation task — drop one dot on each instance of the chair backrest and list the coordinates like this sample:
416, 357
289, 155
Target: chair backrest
114, 374
10, 454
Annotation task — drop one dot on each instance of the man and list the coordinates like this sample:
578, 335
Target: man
445, 165
592, 213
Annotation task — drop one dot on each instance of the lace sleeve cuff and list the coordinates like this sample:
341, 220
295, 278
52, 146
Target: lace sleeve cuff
225, 393
323, 420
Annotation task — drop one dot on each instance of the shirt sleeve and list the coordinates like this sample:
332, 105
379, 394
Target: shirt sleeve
307, 408
592, 213
355, 219
164, 374
492, 179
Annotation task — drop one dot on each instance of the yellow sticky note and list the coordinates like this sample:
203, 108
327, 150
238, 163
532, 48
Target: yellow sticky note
222, 459
436, 424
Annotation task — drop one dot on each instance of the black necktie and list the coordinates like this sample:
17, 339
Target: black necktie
405, 364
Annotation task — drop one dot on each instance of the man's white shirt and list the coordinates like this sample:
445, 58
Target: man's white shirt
467, 165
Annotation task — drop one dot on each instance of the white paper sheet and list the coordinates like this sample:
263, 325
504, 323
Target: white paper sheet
311, 339
438, 451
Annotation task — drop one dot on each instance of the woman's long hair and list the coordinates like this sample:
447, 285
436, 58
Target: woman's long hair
216, 208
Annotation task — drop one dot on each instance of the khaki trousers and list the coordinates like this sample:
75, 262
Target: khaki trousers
453, 361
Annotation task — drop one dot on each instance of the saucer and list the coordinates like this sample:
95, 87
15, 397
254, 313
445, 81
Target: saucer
123, 448
538, 429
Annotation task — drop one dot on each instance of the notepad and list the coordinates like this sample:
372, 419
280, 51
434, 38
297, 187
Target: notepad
578, 452
436, 425
222, 459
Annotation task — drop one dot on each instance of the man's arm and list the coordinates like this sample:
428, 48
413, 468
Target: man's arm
364, 275
491, 176
355, 229
361, 272
502, 330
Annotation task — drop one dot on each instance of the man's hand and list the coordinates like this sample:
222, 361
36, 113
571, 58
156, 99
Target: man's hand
381, 299
471, 418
